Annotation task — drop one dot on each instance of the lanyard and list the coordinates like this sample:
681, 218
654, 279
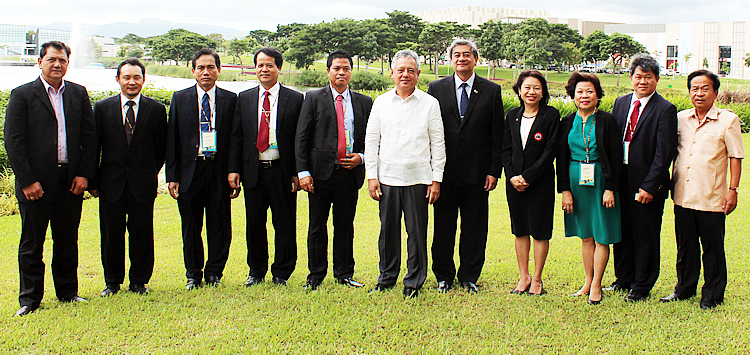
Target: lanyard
266, 115
203, 113
587, 140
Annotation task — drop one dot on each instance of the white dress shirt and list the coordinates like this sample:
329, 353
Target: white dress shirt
212, 103
123, 101
526, 124
644, 101
273, 98
458, 82
56, 99
404, 140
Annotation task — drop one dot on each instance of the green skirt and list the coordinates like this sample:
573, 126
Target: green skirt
590, 218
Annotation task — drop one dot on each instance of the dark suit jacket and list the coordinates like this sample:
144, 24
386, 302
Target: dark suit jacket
653, 144
243, 154
534, 162
31, 136
608, 142
137, 164
317, 133
473, 146
183, 133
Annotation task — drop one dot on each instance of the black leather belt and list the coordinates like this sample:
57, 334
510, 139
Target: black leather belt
205, 158
265, 164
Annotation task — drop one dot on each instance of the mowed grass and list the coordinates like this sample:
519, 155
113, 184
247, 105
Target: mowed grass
335, 319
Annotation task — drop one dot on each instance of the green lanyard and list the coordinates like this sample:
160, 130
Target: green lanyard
587, 140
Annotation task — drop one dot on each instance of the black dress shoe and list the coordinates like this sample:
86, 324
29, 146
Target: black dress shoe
470, 287
252, 280
410, 292
24, 310
193, 283
73, 299
636, 296
279, 281
350, 282
380, 288
312, 285
671, 298
615, 287
708, 305
444, 286
140, 289
110, 290
213, 280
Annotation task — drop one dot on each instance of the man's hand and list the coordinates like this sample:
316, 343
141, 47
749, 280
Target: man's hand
373, 187
567, 202
730, 202
306, 183
33, 192
94, 193
644, 197
295, 184
351, 161
234, 184
174, 188
433, 192
79, 185
490, 183
519, 183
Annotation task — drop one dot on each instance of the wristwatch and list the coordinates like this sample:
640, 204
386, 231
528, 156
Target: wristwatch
735, 189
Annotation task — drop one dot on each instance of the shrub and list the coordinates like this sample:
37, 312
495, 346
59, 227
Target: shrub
366, 80
8, 202
311, 78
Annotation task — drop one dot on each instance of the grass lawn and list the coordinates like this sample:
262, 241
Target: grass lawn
335, 319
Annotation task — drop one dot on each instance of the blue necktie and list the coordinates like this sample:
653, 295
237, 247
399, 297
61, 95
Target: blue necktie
206, 118
464, 100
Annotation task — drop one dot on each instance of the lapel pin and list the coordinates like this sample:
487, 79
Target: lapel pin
476, 92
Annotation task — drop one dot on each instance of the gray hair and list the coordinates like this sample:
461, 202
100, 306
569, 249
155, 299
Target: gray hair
405, 53
644, 61
463, 42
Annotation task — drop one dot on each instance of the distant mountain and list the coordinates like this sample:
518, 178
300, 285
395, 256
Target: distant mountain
146, 28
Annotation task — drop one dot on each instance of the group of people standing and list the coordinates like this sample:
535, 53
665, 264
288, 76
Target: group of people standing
446, 147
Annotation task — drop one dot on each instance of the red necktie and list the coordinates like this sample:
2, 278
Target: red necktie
342, 134
265, 117
633, 120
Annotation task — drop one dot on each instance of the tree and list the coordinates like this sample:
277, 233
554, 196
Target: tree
515, 44
179, 45
436, 37
620, 46
490, 43
747, 59
130, 50
572, 54
218, 38
591, 46
30, 36
92, 49
284, 34
263, 37
133, 39
705, 63
239, 47
565, 34
687, 57
303, 46
554, 46
535, 29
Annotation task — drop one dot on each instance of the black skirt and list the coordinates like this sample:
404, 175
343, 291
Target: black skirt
532, 211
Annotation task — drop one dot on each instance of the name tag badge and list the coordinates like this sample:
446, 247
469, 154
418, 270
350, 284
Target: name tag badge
349, 139
625, 152
272, 143
587, 174
208, 141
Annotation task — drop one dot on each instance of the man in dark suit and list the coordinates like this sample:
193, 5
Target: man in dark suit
330, 149
200, 121
472, 110
131, 132
649, 128
261, 156
50, 140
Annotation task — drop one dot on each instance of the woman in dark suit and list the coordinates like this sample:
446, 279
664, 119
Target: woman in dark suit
588, 172
529, 148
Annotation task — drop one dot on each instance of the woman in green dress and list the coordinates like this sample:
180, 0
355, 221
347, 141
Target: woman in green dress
588, 171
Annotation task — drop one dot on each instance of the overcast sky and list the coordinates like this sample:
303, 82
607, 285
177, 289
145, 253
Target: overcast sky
256, 14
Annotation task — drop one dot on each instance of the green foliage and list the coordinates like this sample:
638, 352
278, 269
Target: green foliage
177, 71
436, 37
311, 78
239, 47
365, 80
133, 39
130, 50
179, 45
593, 45
92, 49
8, 201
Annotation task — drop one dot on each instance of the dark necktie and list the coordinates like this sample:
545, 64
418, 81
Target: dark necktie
206, 118
633, 120
341, 130
265, 117
129, 120
464, 100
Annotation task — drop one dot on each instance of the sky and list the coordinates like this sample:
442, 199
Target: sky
254, 14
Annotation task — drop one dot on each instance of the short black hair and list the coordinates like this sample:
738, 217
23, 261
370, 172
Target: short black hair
207, 51
56, 45
339, 53
714, 78
646, 62
271, 52
132, 61
577, 77
532, 74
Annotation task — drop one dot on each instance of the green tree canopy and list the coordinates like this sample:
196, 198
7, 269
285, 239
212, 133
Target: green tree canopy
591, 46
620, 46
490, 43
179, 45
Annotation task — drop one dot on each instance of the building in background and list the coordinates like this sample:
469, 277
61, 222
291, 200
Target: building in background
12, 40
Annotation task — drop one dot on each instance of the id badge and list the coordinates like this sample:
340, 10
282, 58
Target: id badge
587, 174
348, 141
273, 144
208, 141
625, 152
